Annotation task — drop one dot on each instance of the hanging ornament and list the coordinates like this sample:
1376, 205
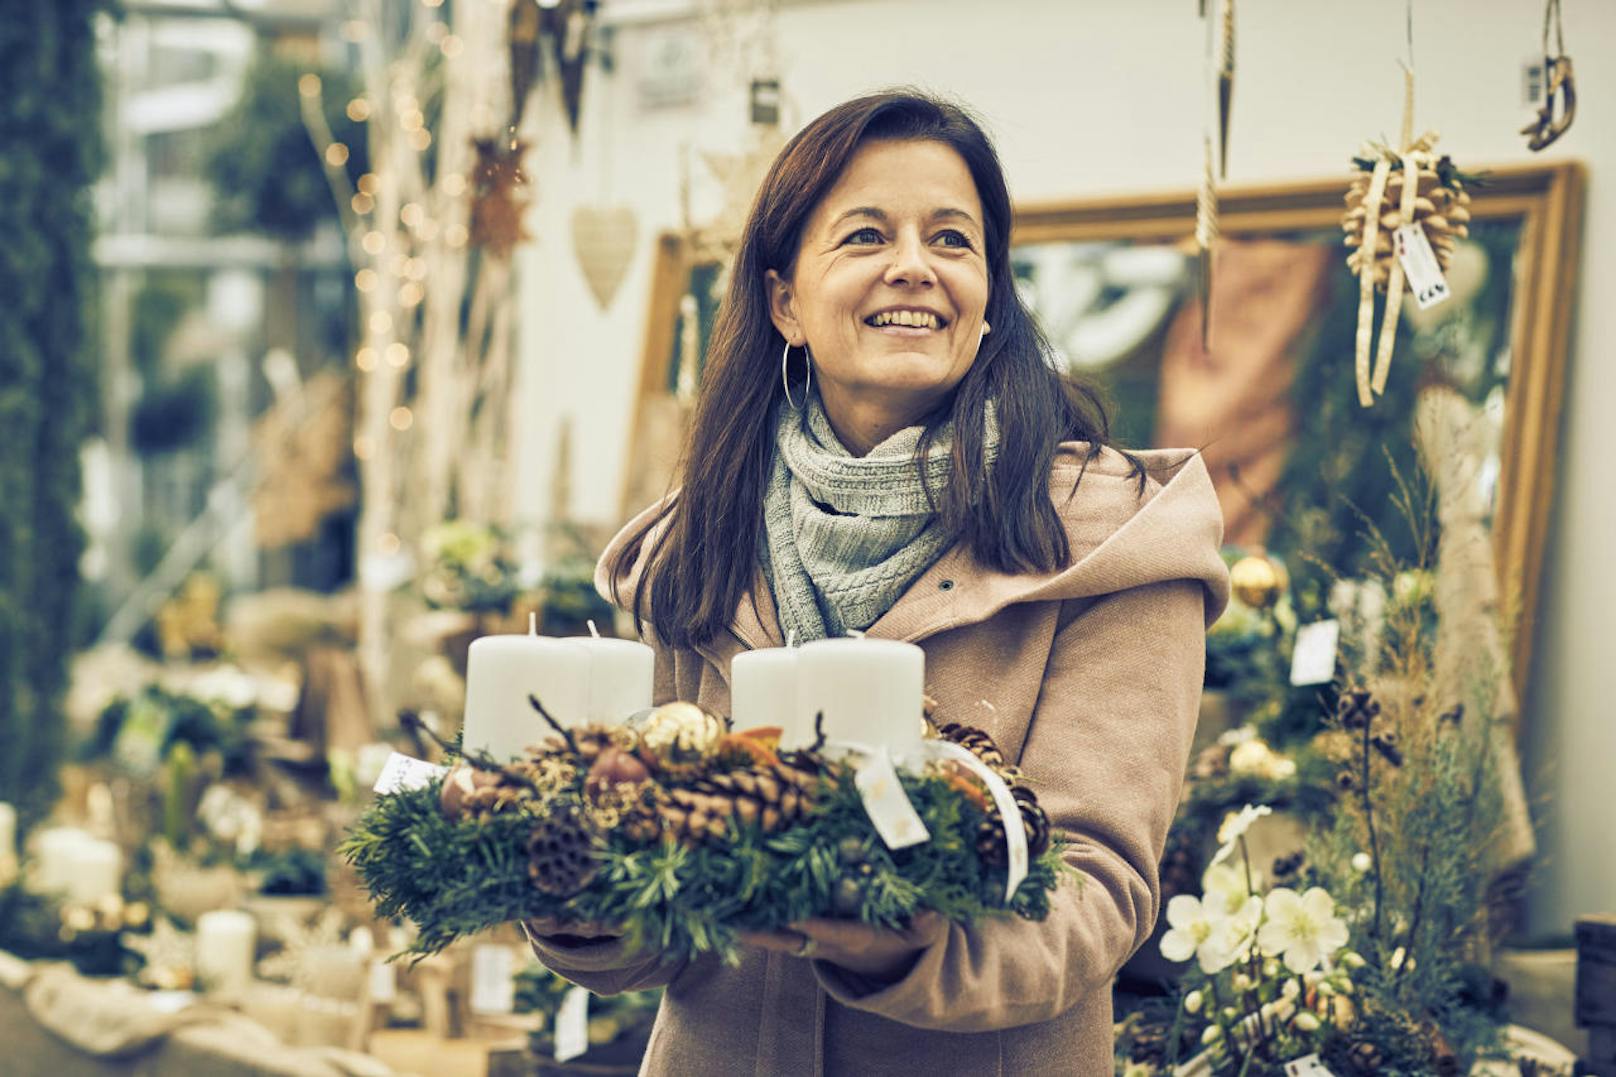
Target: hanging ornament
1214, 160
603, 240
524, 39
1558, 86
570, 24
1225, 85
1258, 581
499, 195
1406, 209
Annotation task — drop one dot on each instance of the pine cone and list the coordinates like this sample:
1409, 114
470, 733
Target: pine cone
990, 834
1365, 1058
976, 741
560, 853
1441, 208
767, 797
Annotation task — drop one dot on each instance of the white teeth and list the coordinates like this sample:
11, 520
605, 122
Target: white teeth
914, 319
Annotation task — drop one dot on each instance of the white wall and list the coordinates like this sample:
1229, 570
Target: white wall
1090, 97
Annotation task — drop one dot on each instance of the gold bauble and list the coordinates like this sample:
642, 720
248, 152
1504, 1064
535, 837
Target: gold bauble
681, 731
1258, 581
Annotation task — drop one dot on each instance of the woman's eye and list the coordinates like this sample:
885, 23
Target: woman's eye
954, 238
863, 236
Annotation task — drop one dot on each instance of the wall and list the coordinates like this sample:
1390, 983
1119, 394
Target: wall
1089, 98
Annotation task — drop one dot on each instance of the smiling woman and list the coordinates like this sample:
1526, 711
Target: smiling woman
882, 444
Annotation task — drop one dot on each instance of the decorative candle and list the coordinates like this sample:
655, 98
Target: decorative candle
620, 674
763, 691
94, 870
502, 671
869, 691
54, 851
225, 941
8, 829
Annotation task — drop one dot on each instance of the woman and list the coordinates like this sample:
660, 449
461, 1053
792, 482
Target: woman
925, 475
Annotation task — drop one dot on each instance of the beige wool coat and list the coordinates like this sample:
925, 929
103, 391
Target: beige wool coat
1090, 679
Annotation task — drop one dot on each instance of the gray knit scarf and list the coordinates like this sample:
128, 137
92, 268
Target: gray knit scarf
844, 536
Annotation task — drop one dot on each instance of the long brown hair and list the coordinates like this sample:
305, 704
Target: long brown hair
697, 571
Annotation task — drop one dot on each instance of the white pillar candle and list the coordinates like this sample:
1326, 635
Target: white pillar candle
620, 675
8, 829
94, 871
53, 852
502, 671
225, 942
763, 691
869, 691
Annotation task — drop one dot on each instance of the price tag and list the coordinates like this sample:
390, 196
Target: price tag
1420, 266
1313, 660
1307, 1066
572, 1025
493, 983
887, 804
383, 981
402, 772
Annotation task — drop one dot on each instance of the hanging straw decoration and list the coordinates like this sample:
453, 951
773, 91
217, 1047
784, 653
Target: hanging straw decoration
1214, 164
1558, 86
1410, 185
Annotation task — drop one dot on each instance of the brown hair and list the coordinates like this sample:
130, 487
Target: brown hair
697, 571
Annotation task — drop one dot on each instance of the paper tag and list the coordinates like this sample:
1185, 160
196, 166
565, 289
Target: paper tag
887, 804
402, 772
1313, 660
1420, 266
572, 1025
1307, 1066
383, 981
493, 983
1015, 827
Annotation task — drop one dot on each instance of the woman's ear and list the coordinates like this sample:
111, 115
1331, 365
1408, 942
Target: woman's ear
781, 309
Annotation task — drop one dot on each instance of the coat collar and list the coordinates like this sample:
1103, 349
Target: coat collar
1120, 537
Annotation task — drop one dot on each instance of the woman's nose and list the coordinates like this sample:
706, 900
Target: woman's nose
910, 264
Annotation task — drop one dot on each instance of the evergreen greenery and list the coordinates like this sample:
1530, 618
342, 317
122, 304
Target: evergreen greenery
50, 152
454, 879
267, 176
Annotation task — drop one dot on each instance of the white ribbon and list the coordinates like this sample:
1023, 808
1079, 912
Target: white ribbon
930, 751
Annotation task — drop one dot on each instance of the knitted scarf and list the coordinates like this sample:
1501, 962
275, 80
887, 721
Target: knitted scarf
844, 536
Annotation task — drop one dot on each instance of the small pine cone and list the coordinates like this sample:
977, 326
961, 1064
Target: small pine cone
976, 741
560, 852
1439, 207
991, 843
1365, 1058
1034, 818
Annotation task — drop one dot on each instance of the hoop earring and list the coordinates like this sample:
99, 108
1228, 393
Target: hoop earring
808, 379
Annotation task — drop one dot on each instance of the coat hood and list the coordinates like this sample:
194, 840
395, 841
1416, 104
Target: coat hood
1121, 536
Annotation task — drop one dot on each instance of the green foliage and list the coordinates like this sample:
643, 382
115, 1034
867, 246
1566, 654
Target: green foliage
266, 174
142, 730
455, 879
50, 152
288, 871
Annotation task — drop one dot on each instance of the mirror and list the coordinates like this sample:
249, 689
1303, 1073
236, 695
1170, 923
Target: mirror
1272, 402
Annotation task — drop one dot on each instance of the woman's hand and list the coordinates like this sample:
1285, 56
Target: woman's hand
569, 932
876, 952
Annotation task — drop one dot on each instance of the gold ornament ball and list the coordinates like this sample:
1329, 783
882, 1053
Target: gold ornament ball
1258, 581
681, 728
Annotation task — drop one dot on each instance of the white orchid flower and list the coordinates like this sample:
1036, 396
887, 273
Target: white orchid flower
1301, 927
1235, 824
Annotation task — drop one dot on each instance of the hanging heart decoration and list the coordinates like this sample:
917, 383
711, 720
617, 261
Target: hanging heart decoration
603, 239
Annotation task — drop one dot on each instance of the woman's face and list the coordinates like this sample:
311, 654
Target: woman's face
891, 282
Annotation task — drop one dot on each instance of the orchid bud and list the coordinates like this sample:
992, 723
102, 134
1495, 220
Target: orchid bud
1270, 969
1192, 1002
1361, 863
1306, 1022
1242, 982
1352, 960
1212, 1034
